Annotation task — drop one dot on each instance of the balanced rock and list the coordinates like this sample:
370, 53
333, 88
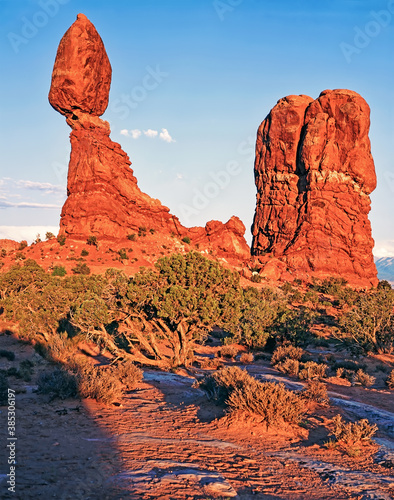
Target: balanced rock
103, 198
314, 173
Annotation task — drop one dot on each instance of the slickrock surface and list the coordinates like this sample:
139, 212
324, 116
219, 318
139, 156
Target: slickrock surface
314, 173
104, 199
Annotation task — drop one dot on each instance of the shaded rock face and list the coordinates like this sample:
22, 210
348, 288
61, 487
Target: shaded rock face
314, 173
104, 199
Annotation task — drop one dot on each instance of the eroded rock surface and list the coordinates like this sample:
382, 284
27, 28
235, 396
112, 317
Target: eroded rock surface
314, 173
104, 199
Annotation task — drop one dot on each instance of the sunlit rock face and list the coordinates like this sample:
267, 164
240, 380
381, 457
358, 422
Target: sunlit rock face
314, 173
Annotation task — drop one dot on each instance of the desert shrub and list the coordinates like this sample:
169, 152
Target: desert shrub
256, 278
384, 285
84, 252
59, 271
311, 296
152, 231
132, 237
345, 373
186, 240
123, 254
92, 240
270, 402
286, 351
81, 268
128, 373
228, 351
316, 391
211, 363
390, 380
25, 370
58, 383
289, 366
311, 370
22, 245
361, 377
10, 355
246, 358
352, 433
142, 231
287, 288
19, 256
97, 383
220, 384
293, 325
61, 239
3, 252
49, 235
240, 392
3, 389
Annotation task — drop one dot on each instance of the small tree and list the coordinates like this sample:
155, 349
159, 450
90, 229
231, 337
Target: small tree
370, 323
166, 310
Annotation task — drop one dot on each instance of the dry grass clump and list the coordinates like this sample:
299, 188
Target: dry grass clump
352, 433
59, 383
286, 351
390, 380
228, 351
316, 391
246, 358
289, 366
361, 377
356, 377
81, 378
311, 370
241, 393
128, 373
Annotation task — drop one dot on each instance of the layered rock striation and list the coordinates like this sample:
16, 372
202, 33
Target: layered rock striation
314, 173
103, 198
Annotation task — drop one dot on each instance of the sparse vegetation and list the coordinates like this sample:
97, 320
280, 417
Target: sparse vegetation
84, 252
81, 268
246, 358
92, 240
22, 245
61, 239
123, 254
352, 433
186, 240
269, 402
58, 383
142, 231
316, 391
311, 370
132, 237
361, 377
49, 235
286, 351
59, 271
390, 380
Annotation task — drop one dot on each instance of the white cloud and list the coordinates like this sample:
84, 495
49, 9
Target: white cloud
24, 204
124, 132
135, 133
165, 136
384, 248
28, 233
150, 133
40, 186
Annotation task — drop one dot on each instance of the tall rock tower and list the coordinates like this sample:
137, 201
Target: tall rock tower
314, 173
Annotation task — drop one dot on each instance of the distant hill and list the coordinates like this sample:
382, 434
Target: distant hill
385, 267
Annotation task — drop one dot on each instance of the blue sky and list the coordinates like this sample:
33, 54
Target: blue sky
203, 75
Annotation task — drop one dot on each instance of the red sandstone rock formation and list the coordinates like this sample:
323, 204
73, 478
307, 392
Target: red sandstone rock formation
104, 199
314, 172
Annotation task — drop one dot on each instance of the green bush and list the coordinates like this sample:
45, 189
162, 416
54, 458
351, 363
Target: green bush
186, 240
81, 268
84, 252
49, 235
59, 271
142, 231
361, 377
61, 239
92, 240
132, 237
122, 254
289, 366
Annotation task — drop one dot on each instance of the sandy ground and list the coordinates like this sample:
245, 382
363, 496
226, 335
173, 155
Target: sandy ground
164, 441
